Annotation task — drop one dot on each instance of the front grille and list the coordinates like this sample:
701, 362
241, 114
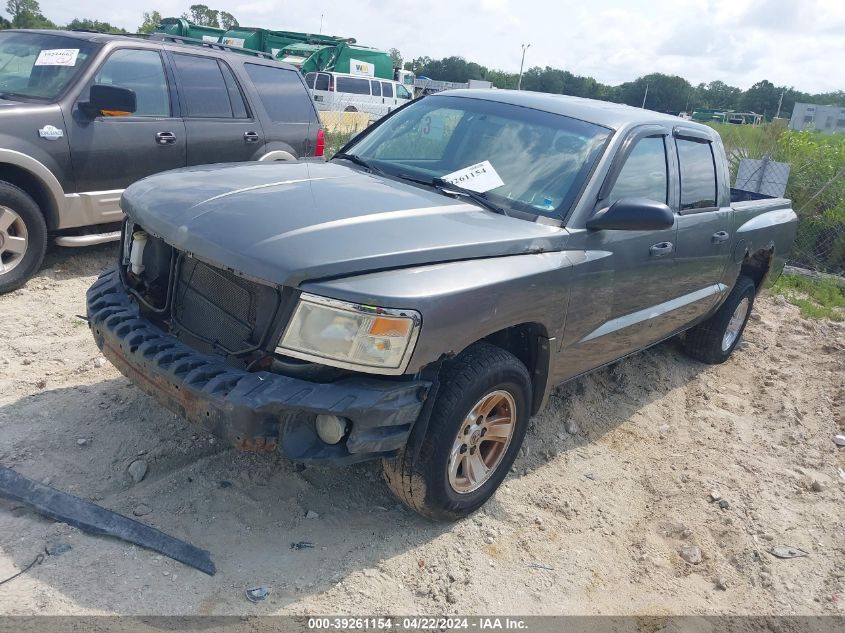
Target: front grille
227, 312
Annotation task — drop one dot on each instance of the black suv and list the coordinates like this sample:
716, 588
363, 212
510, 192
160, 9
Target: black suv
84, 115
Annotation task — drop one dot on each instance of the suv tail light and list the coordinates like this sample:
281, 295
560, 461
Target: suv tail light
320, 147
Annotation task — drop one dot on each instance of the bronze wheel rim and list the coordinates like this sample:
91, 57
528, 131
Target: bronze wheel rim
482, 441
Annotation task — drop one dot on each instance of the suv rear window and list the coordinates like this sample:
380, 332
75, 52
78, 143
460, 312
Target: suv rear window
353, 86
202, 87
284, 97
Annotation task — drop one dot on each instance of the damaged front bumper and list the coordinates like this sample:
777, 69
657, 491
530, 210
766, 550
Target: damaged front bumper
257, 411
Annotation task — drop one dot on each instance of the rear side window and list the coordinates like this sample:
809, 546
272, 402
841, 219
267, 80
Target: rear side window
376, 88
354, 86
202, 87
388, 89
309, 79
698, 174
142, 72
644, 174
284, 97
322, 82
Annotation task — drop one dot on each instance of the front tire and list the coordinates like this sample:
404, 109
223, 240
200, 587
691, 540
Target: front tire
477, 426
23, 237
713, 340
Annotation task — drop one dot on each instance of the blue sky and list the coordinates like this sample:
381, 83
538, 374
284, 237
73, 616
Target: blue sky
801, 44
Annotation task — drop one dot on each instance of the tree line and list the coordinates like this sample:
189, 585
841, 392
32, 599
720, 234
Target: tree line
665, 93
26, 14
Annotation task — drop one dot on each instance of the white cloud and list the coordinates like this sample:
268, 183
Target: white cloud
739, 42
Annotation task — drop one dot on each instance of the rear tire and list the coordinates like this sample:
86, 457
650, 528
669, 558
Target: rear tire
23, 237
713, 340
457, 470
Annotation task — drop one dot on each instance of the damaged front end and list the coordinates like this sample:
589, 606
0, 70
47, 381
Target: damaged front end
202, 340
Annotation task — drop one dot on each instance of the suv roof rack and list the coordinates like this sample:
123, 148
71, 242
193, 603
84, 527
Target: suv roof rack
191, 41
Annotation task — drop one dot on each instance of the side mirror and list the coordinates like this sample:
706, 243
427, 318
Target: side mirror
109, 101
633, 214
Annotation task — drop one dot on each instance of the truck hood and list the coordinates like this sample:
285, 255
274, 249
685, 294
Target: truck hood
286, 223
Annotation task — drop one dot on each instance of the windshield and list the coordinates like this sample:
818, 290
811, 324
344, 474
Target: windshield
521, 159
40, 66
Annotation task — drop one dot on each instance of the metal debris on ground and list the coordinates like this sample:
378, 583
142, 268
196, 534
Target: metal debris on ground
257, 594
541, 566
784, 551
302, 545
38, 560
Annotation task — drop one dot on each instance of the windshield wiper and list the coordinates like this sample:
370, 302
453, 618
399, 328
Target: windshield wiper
445, 186
354, 158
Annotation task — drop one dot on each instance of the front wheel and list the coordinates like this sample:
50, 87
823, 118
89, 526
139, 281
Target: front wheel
713, 340
476, 428
23, 237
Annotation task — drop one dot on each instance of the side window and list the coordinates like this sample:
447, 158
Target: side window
284, 97
387, 89
375, 86
141, 71
322, 82
644, 174
402, 92
202, 87
353, 85
236, 97
698, 174
309, 79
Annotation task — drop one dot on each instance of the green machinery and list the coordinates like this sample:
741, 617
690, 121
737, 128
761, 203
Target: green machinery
307, 51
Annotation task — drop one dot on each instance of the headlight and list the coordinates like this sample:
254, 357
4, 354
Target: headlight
365, 338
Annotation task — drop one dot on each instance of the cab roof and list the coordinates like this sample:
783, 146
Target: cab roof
605, 113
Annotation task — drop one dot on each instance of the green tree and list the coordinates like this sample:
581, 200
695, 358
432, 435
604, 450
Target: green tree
26, 14
151, 20
396, 56
93, 25
228, 21
204, 16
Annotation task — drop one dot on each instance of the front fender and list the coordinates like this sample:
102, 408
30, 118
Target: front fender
465, 301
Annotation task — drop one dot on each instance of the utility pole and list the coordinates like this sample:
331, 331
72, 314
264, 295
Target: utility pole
525, 47
780, 102
645, 96
321, 24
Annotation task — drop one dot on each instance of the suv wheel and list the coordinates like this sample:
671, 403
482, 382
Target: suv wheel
23, 237
476, 428
713, 340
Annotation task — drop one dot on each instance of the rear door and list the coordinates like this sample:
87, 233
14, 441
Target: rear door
389, 96
289, 117
704, 221
219, 123
109, 153
318, 85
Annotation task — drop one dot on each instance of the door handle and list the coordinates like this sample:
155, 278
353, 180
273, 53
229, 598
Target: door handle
721, 236
661, 249
165, 138
251, 137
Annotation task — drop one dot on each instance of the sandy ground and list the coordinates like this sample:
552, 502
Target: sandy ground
615, 479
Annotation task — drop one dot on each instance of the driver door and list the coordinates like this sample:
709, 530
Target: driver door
624, 281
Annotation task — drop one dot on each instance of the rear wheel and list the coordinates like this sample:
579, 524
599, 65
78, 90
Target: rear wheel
476, 428
713, 340
23, 237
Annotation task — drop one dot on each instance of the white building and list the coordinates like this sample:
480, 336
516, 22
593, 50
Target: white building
809, 116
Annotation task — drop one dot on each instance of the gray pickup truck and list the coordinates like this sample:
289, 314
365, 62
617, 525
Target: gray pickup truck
418, 297
83, 115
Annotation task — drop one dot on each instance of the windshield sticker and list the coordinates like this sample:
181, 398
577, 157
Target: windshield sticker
57, 57
480, 177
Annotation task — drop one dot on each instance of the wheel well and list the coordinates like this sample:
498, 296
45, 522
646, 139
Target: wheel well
34, 188
524, 342
757, 265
